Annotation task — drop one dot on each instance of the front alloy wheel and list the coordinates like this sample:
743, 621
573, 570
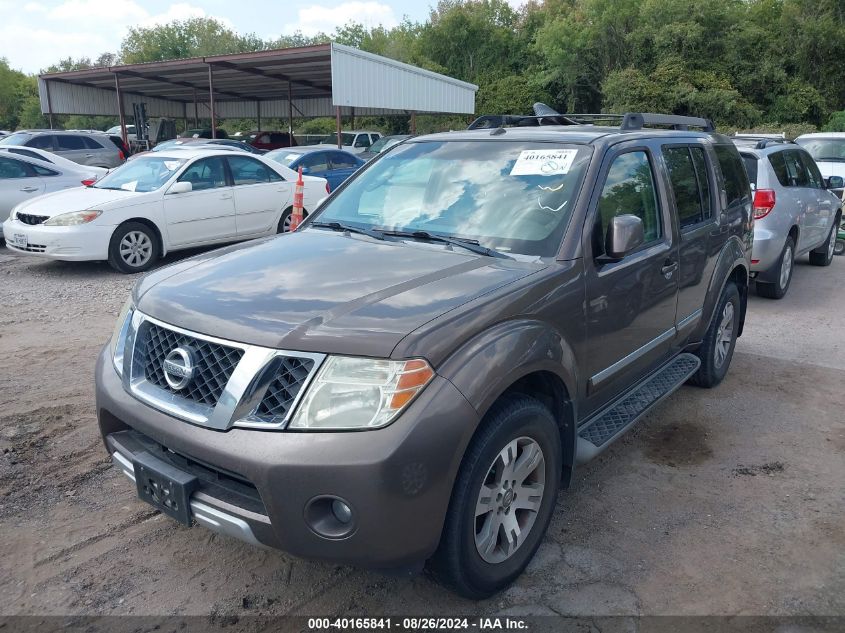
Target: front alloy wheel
509, 499
133, 248
502, 499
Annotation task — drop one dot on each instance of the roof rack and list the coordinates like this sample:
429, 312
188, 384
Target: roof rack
761, 141
544, 115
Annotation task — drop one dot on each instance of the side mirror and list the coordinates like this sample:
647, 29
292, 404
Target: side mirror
624, 235
183, 186
835, 182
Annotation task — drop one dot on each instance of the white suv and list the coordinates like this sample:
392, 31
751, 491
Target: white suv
355, 141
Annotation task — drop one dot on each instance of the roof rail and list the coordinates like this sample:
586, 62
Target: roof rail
638, 120
544, 115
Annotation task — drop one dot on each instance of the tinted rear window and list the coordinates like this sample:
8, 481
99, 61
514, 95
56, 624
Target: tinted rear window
737, 187
750, 162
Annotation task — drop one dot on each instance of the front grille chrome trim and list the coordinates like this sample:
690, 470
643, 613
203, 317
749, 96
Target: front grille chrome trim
234, 407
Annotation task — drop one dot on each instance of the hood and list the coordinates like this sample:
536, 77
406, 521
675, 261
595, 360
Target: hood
76, 199
320, 291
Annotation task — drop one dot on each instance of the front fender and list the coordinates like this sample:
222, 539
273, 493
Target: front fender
732, 256
491, 362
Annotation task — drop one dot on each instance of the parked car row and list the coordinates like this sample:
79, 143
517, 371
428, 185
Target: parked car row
795, 209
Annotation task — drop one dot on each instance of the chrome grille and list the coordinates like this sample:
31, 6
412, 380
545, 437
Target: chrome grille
32, 220
281, 394
214, 362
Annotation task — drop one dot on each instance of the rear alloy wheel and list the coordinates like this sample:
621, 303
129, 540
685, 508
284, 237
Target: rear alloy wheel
717, 348
133, 248
784, 269
823, 255
502, 500
285, 220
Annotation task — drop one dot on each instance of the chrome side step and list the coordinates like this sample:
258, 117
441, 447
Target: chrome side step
598, 432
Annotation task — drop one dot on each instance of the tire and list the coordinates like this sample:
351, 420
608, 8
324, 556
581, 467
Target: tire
823, 255
523, 424
783, 277
719, 342
839, 248
133, 238
284, 221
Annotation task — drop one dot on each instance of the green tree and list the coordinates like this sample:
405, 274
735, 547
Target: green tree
184, 38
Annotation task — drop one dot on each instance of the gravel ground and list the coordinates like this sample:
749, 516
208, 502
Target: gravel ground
721, 502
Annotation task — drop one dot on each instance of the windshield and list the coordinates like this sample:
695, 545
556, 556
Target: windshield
347, 139
830, 149
168, 145
18, 138
382, 144
509, 196
283, 156
146, 173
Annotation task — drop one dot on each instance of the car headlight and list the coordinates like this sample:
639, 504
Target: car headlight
73, 218
360, 393
13, 214
118, 337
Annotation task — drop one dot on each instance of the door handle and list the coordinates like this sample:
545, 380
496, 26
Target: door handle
226, 196
89, 155
669, 267
29, 189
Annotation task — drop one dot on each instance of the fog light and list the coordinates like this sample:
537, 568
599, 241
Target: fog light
330, 517
341, 511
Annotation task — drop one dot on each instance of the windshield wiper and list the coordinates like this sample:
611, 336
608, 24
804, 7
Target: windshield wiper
468, 244
347, 228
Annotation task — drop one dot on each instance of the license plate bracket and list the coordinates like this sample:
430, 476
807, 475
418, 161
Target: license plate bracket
164, 486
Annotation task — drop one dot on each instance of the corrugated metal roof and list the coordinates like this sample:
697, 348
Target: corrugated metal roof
317, 77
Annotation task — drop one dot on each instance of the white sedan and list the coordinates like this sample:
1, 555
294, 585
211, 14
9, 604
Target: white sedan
27, 173
159, 203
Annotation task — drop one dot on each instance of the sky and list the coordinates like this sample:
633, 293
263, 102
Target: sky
37, 33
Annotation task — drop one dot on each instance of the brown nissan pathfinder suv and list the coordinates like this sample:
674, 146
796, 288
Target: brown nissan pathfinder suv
413, 374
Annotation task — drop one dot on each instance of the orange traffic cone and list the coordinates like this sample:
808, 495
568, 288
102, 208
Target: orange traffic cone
298, 195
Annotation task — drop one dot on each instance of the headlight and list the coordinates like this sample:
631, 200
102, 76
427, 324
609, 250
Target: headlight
13, 214
73, 218
118, 337
360, 393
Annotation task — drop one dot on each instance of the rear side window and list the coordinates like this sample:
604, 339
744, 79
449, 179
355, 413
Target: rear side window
750, 162
737, 187
248, 171
628, 189
90, 143
688, 175
813, 174
11, 168
69, 143
42, 141
43, 171
779, 167
342, 161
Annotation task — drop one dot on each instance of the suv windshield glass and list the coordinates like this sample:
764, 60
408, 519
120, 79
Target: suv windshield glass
332, 139
18, 138
146, 173
382, 144
830, 149
512, 197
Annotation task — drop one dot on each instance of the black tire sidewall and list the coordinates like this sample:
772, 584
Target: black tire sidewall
782, 290
519, 417
280, 228
711, 375
116, 260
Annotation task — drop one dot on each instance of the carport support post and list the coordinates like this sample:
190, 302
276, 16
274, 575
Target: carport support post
196, 111
413, 122
120, 107
258, 112
49, 103
211, 102
290, 111
339, 127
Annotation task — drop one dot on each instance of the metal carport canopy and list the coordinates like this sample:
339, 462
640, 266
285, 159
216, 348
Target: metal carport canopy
306, 81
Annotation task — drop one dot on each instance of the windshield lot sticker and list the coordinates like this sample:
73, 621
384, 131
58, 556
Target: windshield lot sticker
543, 162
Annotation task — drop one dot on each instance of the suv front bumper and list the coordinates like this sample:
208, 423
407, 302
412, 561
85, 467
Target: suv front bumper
397, 480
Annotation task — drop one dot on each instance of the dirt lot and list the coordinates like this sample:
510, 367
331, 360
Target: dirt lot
722, 502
